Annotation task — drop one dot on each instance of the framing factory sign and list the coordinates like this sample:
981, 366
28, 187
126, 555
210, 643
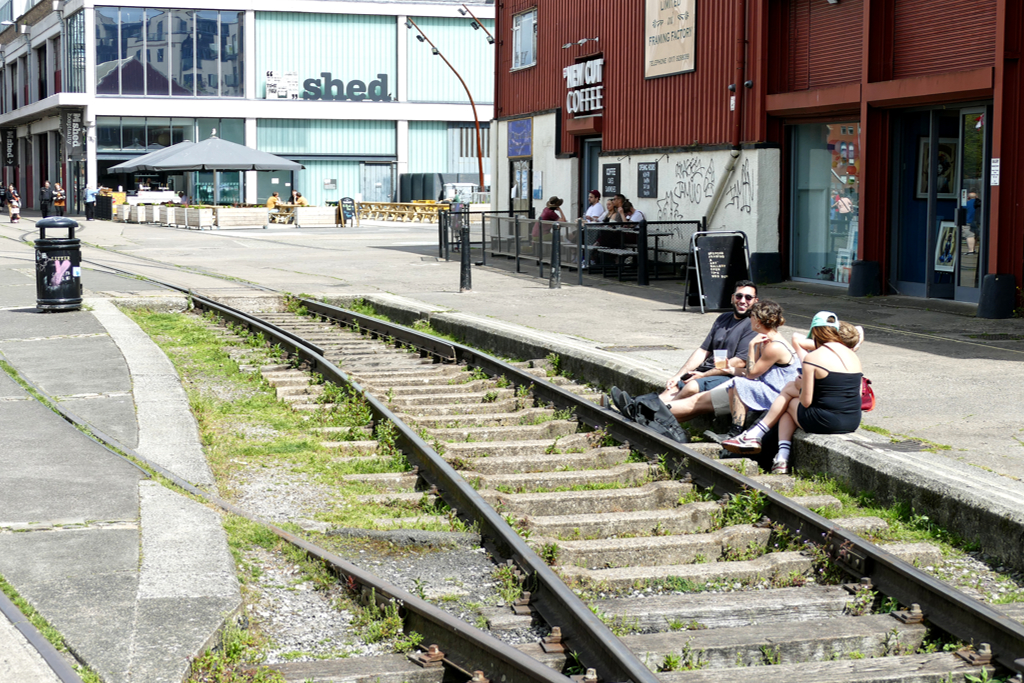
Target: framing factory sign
670, 37
589, 99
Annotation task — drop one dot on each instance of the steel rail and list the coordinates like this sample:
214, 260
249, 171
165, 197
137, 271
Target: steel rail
471, 649
423, 456
943, 605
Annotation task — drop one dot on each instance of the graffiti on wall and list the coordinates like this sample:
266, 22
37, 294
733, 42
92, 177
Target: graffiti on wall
740, 193
695, 185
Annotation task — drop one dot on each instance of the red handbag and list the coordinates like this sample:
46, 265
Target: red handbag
867, 395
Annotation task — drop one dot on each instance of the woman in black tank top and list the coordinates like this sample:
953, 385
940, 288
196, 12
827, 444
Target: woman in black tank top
825, 400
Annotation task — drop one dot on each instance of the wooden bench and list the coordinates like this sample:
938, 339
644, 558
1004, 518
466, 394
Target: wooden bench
401, 212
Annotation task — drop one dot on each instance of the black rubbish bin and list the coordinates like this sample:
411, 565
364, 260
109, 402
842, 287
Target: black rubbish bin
58, 267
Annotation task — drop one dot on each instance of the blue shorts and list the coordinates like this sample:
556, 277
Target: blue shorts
709, 383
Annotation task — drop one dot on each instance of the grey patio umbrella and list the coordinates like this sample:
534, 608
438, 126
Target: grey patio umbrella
143, 163
214, 154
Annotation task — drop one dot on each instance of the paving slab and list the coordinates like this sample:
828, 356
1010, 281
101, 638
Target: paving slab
11, 390
54, 473
19, 661
113, 415
64, 366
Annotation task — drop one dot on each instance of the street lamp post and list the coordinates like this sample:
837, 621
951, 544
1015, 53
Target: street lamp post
409, 23
476, 23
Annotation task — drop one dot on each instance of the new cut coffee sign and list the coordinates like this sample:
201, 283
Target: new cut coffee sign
670, 37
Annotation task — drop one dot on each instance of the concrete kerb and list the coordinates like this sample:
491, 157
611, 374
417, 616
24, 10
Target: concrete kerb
977, 505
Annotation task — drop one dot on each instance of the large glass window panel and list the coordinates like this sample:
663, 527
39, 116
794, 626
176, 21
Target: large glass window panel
208, 128
74, 46
133, 133
108, 133
183, 129
158, 59
826, 182
230, 190
158, 133
972, 190
203, 187
106, 51
133, 60
182, 52
232, 130
232, 71
207, 51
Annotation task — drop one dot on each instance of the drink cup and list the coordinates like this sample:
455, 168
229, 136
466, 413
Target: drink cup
721, 359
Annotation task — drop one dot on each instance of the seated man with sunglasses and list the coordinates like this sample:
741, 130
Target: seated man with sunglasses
730, 332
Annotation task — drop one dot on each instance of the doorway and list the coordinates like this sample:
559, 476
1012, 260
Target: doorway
378, 181
940, 192
521, 175
591, 170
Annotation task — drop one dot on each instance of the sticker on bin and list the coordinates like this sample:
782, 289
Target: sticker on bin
76, 271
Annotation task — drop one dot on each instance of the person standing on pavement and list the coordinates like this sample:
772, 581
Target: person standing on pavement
59, 199
45, 198
90, 202
13, 203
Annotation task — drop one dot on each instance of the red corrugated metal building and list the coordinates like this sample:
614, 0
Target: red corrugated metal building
875, 136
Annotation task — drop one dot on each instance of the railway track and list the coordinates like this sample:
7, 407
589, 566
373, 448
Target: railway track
514, 447
611, 528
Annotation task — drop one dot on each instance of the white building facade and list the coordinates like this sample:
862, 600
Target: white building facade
345, 88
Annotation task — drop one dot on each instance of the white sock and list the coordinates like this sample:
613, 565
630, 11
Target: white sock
783, 454
759, 430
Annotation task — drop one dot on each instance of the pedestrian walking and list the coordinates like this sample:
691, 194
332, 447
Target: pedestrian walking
13, 203
59, 199
45, 198
90, 202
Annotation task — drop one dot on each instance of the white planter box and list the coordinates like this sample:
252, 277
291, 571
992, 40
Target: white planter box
193, 218
122, 212
165, 215
306, 216
253, 217
151, 212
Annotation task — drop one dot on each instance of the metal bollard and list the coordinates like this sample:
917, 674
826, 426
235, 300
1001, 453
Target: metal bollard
555, 279
465, 278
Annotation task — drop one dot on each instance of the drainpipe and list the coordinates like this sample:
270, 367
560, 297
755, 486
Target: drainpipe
735, 103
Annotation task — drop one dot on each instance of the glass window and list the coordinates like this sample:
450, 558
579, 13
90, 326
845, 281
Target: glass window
106, 51
207, 128
232, 71
132, 67
183, 129
157, 66
158, 133
133, 133
182, 52
108, 132
74, 46
826, 192
524, 39
207, 50
232, 130
230, 187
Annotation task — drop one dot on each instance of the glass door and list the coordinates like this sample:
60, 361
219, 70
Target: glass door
972, 217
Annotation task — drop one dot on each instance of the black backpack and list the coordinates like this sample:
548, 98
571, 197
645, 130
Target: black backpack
651, 411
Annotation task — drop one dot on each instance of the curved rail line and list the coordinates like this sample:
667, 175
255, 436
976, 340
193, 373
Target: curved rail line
947, 608
944, 606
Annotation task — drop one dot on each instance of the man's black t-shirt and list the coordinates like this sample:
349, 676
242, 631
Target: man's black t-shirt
730, 334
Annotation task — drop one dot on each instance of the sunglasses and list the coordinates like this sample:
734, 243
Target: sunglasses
743, 297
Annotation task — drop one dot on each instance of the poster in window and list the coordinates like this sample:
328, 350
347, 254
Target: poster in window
945, 247
670, 31
946, 168
520, 138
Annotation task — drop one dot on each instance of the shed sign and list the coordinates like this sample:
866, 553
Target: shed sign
585, 84
669, 37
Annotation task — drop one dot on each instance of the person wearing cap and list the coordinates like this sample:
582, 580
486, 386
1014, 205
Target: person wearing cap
824, 400
853, 335
552, 212
696, 389
594, 211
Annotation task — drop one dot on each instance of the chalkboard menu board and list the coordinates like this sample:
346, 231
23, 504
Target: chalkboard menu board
721, 262
647, 180
346, 210
610, 179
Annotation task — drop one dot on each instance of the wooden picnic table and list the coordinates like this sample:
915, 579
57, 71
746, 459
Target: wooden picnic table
285, 213
406, 212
